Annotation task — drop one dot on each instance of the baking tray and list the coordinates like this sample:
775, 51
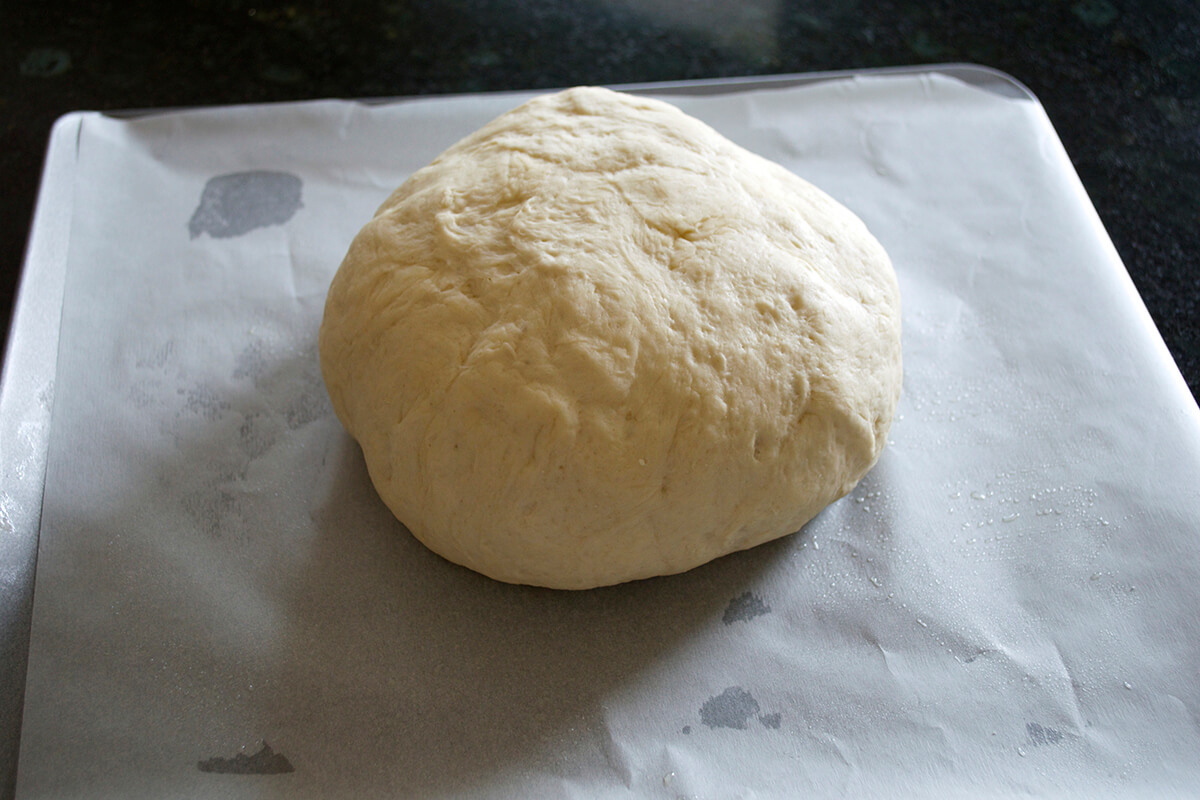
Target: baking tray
1067, 372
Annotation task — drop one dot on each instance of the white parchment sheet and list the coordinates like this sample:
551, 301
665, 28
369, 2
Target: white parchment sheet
1008, 603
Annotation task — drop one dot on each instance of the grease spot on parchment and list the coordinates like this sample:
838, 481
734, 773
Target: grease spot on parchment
1042, 734
257, 435
213, 509
271, 392
977, 654
205, 402
252, 363
308, 406
237, 203
157, 358
734, 708
265, 762
745, 607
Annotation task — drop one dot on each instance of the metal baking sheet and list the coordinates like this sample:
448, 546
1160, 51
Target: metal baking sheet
1008, 603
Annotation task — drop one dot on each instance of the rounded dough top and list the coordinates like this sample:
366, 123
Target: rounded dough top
595, 341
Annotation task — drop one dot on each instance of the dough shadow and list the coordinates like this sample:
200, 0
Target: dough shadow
475, 680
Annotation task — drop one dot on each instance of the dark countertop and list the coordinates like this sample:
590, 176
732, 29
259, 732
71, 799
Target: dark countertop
1119, 80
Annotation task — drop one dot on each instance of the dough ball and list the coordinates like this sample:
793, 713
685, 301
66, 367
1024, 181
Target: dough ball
595, 341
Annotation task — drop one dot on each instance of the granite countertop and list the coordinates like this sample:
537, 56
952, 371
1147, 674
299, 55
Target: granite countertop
1120, 81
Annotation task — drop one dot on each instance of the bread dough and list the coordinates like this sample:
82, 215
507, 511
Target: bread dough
595, 341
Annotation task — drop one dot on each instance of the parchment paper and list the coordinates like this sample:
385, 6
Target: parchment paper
1008, 603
